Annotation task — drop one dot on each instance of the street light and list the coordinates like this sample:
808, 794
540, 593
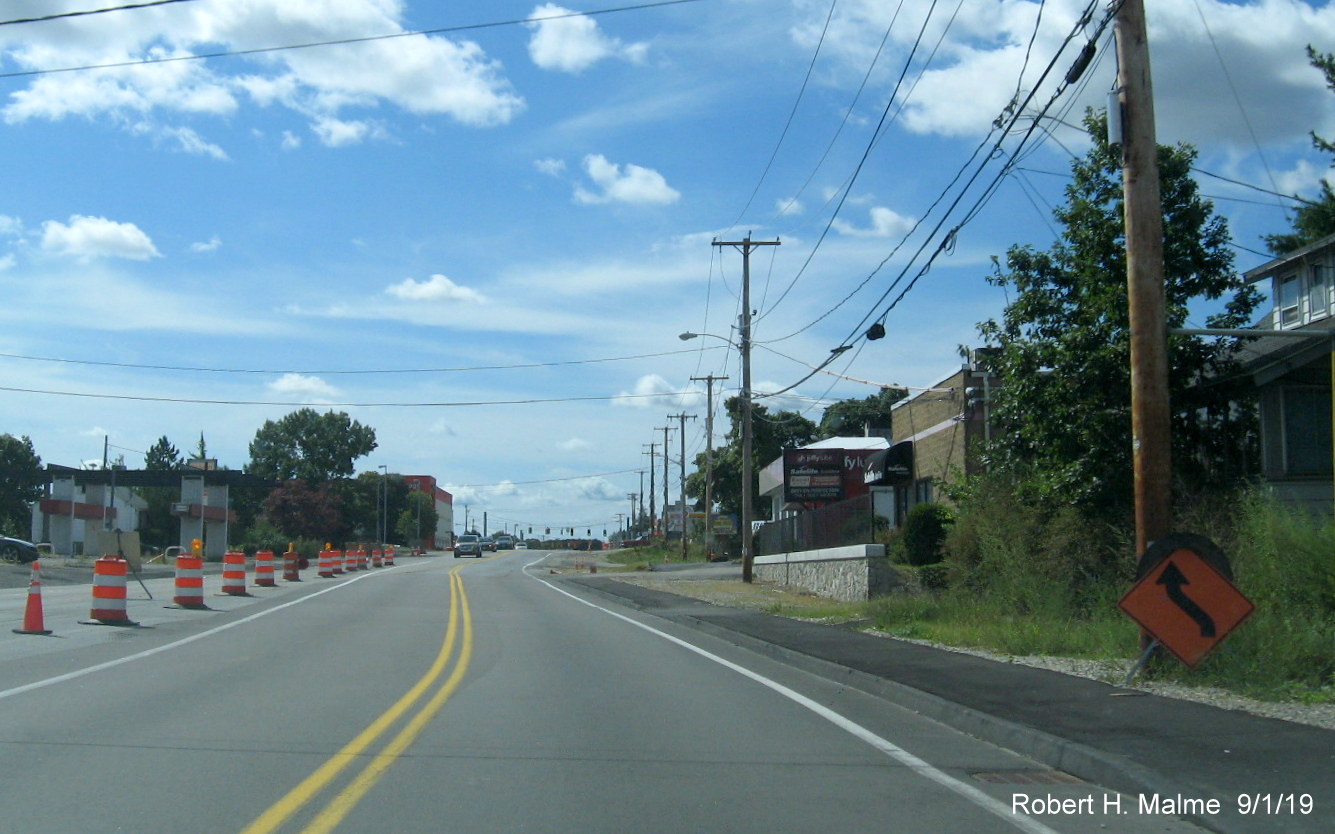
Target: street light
382, 506
748, 465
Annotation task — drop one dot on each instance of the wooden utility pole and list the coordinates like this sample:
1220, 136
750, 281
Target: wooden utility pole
744, 348
709, 459
681, 436
666, 499
1150, 415
653, 511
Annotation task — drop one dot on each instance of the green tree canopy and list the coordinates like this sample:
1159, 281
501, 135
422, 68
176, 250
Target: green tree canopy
1315, 220
157, 525
310, 446
771, 434
1061, 412
20, 484
853, 417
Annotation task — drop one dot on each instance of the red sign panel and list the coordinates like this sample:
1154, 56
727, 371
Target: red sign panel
1187, 605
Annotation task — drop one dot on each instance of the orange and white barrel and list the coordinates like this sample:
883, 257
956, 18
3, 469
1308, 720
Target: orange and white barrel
109, 574
389, 557
363, 562
264, 577
189, 581
377, 558
234, 573
339, 562
291, 566
326, 564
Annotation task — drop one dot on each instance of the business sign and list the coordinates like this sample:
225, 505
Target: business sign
1186, 599
813, 475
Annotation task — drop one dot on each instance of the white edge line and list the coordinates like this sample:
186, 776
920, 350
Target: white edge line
895, 752
110, 664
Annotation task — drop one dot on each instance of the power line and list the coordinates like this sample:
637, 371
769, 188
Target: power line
546, 481
231, 53
63, 15
459, 404
345, 372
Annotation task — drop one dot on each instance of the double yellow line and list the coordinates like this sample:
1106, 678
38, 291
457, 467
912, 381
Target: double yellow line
345, 800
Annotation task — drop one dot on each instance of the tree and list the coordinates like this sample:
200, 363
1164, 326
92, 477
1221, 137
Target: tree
20, 484
1061, 414
771, 434
418, 520
311, 446
853, 417
302, 511
1315, 220
157, 526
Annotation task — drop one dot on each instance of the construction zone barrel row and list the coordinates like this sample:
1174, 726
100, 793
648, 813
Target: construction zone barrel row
111, 572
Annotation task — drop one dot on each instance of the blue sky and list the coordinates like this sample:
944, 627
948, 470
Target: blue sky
484, 241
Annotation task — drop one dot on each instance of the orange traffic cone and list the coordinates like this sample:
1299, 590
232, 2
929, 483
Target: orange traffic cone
32, 615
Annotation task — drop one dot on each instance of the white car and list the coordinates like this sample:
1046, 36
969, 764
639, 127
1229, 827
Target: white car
521, 545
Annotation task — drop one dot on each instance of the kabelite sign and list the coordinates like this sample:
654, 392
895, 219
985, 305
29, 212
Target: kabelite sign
813, 475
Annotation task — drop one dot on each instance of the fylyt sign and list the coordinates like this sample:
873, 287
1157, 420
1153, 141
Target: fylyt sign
1185, 602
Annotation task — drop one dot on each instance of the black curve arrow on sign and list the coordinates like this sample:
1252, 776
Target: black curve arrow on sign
1173, 580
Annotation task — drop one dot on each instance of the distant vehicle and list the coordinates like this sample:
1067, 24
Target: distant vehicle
521, 545
17, 550
488, 543
468, 544
505, 543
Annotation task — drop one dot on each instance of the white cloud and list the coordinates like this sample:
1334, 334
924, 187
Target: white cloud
10, 225
191, 142
442, 428
567, 42
574, 444
338, 133
302, 386
985, 50
212, 245
90, 237
418, 73
633, 185
7, 262
884, 223
291, 141
653, 391
550, 167
436, 288
789, 208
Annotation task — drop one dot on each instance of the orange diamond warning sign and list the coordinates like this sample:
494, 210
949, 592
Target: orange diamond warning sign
1186, 604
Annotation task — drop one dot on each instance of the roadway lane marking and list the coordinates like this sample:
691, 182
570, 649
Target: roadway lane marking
283, 810
899, 754
111, 664
340, 805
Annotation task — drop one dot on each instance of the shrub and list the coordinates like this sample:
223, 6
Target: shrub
924, 531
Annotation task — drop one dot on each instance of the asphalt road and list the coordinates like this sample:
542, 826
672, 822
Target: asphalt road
463, 695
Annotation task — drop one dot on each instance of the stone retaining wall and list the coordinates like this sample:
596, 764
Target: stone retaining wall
851, 574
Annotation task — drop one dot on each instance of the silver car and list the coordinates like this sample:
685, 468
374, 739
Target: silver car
468, 545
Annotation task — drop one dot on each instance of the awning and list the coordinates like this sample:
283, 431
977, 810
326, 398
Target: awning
890, 467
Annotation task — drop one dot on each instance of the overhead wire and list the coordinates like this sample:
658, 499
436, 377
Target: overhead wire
348, 371
64, 15
949, 239
441, 30
322, 404
792, 113
884, 122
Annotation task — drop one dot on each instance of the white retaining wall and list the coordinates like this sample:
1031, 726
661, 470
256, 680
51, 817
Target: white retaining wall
852, 574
